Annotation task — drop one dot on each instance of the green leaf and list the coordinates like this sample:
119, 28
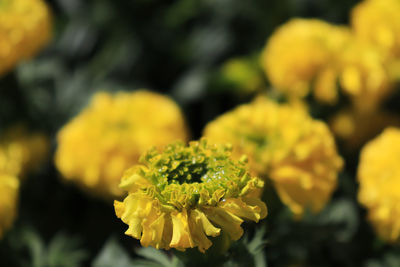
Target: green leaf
112, 254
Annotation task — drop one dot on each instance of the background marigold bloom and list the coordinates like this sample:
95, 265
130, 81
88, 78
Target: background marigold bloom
285, 144
300, 54
354, 128
9, 189
109, 136
379, 179
180, 196
363, 74
21, 152
377, 21
25, 27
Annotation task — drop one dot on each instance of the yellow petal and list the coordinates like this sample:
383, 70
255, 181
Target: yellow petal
243, 210
229, 222
181, 237
153, 228
197, 231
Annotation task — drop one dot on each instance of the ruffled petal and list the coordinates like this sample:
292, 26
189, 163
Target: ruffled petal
181, 237
229, 222
241, 209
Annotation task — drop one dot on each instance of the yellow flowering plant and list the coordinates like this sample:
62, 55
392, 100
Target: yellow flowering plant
307, 56
25, 27
379, 183
300, 54
285, 144
22, 152
179, 197
110, 134
353, 128
377, 22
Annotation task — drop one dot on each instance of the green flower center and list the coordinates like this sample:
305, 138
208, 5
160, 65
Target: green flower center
198, 174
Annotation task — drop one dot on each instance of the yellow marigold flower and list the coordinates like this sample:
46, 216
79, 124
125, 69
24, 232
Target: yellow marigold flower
377, 21
183, 194
9, 189
21, 152
306, 56
300, 54
285, 144
363, 74
109, 136
354, 128
379, 179
25, 27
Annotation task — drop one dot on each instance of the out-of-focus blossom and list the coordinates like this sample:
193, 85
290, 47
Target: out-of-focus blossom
184, 194
379, 179
301, 54
21, 152
25, 27
363, 74
285, 144
108, 137
9, 189
354, 128
312, 56
377, 22
244, 74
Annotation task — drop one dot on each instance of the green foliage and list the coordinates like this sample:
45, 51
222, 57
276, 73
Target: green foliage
60, 251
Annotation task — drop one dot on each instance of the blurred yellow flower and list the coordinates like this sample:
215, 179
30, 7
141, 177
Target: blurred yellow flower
9, 189
183, 194
285, 144
379, 179
377, 21
363, 74
243, 74
21, 152
354, 128
311, 56
300, 54
25, 27
109, 136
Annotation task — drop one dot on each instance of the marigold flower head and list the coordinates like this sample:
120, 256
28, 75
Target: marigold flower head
363, 74
183, 194
377, 21
300, 54
379, 180
109, 136
285, 144
9, 189
21, 152
25, 27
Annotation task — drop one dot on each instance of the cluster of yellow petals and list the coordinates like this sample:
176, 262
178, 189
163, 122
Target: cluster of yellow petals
285, 144
185, 194
311, 56
107, 137
302, 51
354, 128
377, 22
379, 180
363, 74
20, 152
25, 27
